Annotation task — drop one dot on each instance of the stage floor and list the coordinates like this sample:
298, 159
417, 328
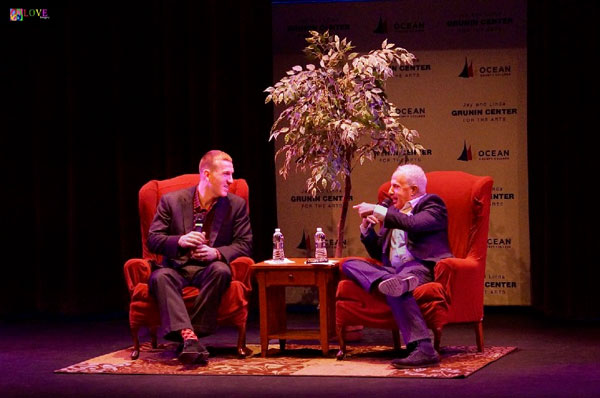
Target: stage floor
554, 359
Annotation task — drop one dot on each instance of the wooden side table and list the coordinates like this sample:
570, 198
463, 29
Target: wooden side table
273, 279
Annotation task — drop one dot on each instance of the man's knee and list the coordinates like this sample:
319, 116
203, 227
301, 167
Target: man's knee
158, 278
349, 267
155, 278
220, 270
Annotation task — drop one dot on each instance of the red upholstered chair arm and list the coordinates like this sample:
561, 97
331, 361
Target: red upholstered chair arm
462, 279
241, 271
137, 270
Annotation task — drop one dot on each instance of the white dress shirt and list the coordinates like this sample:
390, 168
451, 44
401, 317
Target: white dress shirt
399, 253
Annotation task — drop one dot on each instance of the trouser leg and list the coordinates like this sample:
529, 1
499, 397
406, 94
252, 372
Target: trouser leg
365, 273
165, 285
406, 311
408, 317
212, 283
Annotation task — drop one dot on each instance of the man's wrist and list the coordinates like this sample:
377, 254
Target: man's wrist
363, 229
380, 212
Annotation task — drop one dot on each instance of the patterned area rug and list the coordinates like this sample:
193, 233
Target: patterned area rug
296, 360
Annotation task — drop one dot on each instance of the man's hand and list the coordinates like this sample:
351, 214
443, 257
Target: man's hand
205, 253
369, 221
192, 239
364, 209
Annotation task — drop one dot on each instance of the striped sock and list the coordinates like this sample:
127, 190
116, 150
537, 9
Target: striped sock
188, 334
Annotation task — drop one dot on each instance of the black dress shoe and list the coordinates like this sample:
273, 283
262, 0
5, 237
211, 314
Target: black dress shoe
417, 359
405, 352
189, 353
202, 355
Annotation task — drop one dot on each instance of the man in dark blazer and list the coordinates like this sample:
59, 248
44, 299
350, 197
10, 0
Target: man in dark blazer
198, 231
412, 238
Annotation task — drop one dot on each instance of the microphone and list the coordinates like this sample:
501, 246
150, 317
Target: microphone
386, 202
199, 220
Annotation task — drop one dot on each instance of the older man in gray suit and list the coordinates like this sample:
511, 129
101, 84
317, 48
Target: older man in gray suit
413, 237
198, 231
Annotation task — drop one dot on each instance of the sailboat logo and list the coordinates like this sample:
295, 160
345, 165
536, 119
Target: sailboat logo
466, 154
467, 70
381, 26
305, 243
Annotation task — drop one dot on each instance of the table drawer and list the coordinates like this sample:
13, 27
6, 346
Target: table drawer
290, 278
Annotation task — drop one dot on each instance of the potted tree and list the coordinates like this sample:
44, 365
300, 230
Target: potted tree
337, 115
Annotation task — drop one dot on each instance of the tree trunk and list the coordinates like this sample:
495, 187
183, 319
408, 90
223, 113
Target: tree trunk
339, 247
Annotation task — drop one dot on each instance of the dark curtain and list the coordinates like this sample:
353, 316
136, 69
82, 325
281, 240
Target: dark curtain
562, 130
99, 100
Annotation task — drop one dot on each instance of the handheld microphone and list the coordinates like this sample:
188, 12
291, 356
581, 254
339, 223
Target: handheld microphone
199, 220
386, 202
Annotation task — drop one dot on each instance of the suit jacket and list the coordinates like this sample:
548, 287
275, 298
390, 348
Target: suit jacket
426, 231
230, 230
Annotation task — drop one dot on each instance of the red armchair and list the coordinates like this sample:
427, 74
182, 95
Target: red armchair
143, 310
456, 294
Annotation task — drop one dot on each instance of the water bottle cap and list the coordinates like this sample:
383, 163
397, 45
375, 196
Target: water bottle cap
319, 229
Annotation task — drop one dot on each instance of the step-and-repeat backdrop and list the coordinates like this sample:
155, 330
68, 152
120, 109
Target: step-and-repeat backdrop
467, 97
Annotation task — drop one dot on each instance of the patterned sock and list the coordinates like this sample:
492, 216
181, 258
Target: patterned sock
188, 334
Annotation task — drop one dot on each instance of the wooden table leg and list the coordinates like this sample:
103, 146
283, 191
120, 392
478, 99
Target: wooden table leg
323, 312
264, 327
332, 287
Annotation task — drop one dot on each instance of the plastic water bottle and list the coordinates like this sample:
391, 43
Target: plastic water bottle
278, 254
320, 246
